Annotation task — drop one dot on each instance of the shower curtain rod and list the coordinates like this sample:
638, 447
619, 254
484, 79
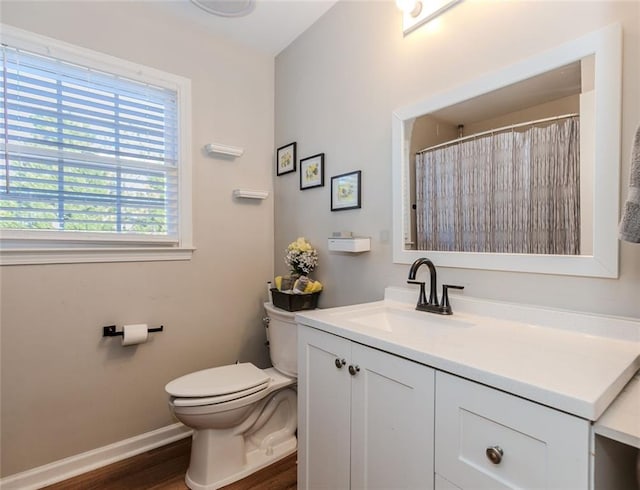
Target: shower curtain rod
497, 130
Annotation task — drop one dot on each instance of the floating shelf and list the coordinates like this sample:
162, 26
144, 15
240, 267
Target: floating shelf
354, 244
216, 149
250, 194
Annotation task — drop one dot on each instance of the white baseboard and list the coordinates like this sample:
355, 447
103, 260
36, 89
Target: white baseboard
82, 463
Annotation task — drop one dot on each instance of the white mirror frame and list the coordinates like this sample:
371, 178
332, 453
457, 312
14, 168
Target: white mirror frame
606, 44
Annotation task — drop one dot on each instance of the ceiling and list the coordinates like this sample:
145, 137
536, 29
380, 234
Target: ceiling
269, 28
552, 85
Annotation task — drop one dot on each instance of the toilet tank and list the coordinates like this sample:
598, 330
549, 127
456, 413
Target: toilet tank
282, 333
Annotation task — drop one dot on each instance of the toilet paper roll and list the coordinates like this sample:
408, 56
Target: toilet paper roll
135, 334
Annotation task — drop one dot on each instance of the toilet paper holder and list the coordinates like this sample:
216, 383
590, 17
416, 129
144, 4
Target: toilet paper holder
110, 331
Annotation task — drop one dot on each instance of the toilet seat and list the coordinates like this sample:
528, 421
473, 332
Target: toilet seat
230, 382
210, 405
212, 400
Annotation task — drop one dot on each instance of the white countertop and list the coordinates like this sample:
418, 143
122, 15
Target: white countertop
621, 421
563, 360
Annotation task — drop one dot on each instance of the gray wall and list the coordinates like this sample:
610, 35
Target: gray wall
65, 389
336, 87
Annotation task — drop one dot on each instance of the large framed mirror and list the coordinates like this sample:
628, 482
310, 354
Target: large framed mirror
517, 170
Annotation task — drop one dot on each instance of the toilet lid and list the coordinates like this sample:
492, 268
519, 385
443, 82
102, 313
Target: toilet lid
218, 381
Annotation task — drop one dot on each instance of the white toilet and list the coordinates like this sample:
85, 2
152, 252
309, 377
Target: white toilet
243, 418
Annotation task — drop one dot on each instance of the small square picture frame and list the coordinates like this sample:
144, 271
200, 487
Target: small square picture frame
286, 159
346, 191
312, 172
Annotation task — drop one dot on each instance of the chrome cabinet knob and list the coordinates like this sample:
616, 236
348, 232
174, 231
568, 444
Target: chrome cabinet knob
340, 363
494, 453
353, 369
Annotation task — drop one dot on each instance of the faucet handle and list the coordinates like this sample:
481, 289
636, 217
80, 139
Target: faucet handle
445, 295
422, 299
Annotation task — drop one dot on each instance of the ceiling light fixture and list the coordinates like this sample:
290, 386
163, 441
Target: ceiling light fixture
418, 12
411, 7
226, 8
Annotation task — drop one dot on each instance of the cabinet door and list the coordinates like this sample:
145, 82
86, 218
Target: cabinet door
488, 439
324, 392
392, 414
444, 484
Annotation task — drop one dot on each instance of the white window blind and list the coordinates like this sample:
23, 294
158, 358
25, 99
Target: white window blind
85, 153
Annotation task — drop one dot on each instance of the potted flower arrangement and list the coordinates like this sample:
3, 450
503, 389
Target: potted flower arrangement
301, 257
297, 291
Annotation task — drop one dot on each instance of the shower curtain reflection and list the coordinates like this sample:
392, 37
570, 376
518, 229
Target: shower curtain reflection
515, 190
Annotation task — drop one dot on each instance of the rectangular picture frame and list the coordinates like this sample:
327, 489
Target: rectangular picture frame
286, 159
312, 172
346, 191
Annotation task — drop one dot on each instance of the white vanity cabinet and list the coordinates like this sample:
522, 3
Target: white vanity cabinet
366, 420
476, 400
488, 439
365, 417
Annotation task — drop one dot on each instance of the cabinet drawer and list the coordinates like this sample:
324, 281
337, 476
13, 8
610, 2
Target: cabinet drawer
489, 439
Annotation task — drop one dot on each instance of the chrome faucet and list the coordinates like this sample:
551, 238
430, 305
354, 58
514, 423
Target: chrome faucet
432, 305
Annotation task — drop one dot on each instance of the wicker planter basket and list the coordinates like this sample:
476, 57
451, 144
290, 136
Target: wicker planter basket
294, 302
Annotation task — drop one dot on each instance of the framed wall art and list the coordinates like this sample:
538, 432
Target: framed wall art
346, 191
312, 172
286, 159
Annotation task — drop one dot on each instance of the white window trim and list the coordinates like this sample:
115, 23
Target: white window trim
15, 249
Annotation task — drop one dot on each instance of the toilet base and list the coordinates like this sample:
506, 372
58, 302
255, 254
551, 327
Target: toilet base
268, 434
256, 460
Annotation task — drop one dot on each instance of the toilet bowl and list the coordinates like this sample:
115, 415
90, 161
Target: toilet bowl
243, 418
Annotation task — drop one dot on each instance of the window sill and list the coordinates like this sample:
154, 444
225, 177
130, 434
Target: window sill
89, 255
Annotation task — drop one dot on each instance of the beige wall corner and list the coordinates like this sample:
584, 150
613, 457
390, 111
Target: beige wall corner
65, 388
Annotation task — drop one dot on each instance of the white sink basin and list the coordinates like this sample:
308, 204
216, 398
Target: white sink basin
402, 321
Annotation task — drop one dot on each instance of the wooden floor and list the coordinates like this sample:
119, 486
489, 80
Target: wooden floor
164, 469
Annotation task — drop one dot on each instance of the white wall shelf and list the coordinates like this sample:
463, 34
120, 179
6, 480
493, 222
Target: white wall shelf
224, 150
250, 194
353, 244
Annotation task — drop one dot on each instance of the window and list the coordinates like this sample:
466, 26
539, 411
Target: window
94, 161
